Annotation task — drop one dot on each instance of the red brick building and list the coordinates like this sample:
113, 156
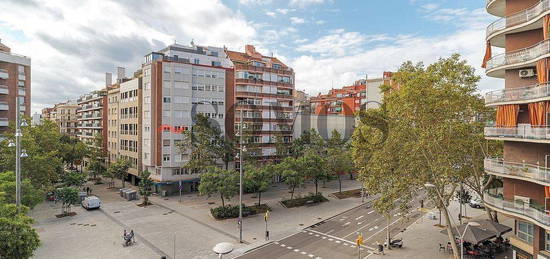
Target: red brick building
344, 101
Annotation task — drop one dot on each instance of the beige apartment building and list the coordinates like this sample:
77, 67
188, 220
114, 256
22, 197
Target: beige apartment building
66, 117
124, 124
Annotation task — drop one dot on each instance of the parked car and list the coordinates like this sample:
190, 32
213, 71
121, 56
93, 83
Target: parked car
91, 202
476, 203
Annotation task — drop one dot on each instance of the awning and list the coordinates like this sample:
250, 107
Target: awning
473, 234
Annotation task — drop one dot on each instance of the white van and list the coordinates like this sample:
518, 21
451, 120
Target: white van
91, 202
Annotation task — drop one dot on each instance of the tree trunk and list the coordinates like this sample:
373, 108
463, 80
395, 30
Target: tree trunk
456, 253
351, 176
259, 198
339, 183
223, 201
292, 192
489, 214
123, 182
388, 239
316, 184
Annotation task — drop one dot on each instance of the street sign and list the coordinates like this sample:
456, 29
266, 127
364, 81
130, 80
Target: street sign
180, 185
266, 216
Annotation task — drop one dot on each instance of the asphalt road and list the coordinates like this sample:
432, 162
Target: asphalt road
335, 237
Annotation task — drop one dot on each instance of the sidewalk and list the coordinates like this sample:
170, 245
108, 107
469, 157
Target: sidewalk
421, 240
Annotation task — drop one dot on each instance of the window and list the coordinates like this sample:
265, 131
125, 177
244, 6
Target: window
547, 241
166, 99
276, 66
525, 231
216, 64
166, 158
165, 142
196, 61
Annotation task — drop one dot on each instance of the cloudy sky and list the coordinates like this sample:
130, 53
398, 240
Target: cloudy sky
328, 42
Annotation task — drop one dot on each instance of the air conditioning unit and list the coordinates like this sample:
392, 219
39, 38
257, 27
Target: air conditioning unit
526, 73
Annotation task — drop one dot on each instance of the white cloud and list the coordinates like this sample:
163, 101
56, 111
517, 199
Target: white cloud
300, 41
304, 3
282, 11
429, 7
316, 73
297, 20
271, 14
256, 2
320, 22
72, 44
339, 43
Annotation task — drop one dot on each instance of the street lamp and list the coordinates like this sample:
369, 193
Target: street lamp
473, 224
241, 150
18, 152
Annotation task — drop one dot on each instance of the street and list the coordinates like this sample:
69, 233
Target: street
335, 237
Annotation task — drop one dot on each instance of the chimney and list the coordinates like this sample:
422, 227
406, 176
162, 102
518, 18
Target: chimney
108, 79
121, 74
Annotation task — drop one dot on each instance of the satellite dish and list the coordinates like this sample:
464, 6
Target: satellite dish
223, 248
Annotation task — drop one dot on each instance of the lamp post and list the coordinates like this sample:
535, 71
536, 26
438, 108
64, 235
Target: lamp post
19, 153
241, 149
473, 224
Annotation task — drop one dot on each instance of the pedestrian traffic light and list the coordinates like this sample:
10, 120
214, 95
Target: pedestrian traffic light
359, 240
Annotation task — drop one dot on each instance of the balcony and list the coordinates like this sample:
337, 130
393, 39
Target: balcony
517, 59
4, 106
527, 172
535, 93
21, 91
4, 89
4, 122
496, 7
530, 212
4, 74
528, 19
522, 133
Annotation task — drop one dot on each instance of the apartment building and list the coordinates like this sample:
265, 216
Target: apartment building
125, 125
344, 101
15, 82
92, 116
263, 96
48, 113
374, 92
66, 118
522, 119
178, 82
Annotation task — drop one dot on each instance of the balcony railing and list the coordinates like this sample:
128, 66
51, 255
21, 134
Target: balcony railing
4, 74
521, 131
530, 171
4, 122
518, 18
531, 211
519, 56
518, 94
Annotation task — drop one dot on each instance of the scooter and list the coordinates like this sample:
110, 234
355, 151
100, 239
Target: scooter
395, 243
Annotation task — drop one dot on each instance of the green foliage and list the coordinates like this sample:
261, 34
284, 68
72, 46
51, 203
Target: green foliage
258, 179
17, 238
423, 133
310, 199
68, 196
228, 212
219, 181
96, 156
145, 186
119, 169
313, 167
73, 178
30, 196
42, 144
206, 145
292, 173
309, 141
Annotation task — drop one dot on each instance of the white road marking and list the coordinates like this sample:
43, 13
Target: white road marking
310, 233
318, 257
347, 223
276, 242
359, 223
330, 239
338, 241
345, 244
283, 245
303, 253
342, 219
329, 231
310, 255
289, 247
316, 235
358, 218
375, 227
324, 237
370, 212
370, 229
296, 250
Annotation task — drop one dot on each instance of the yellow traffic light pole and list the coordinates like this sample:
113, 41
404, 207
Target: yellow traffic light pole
359, 242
